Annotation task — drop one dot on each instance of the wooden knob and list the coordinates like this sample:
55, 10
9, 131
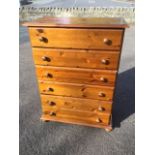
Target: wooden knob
43, 39
101, 94
103, 79
52, 113
49, 75
101, 109
50, 89
44, 58
105, 61
40, 30
98, 120
106, 40
51, 103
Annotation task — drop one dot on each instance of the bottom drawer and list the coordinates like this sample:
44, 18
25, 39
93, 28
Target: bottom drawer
91, 118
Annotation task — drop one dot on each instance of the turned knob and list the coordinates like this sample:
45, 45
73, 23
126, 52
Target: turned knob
52, 113
40, 30
42, 39
104, 61
101, 109
103, 79
49, 75
51, 103
98, 120
106, 40
101, 94
44, 58
50, 89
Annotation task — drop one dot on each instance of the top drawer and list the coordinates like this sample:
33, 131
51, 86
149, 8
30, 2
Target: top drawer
76, 38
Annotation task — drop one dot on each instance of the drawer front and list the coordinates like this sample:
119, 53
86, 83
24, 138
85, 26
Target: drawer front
74, 75
76, 90
76, 38
76, 58
50, 102
77, 115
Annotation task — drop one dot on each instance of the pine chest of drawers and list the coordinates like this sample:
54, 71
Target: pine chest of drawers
76, 61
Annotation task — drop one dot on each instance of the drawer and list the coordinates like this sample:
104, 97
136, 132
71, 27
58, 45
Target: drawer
76, 90
75, 75
89, 117
50, 102
76, 58
76, 38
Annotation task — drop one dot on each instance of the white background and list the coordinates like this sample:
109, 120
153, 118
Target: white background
145, 77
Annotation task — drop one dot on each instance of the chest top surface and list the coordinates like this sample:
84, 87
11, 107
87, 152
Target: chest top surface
78, 22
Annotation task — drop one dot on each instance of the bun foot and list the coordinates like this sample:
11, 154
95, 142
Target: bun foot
108, 129
45, 120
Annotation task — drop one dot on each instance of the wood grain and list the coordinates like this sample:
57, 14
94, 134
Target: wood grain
76, 61
76, 38
78, 115
50, 102
76, 90
76, 58
107, 127
78, 22
75, 75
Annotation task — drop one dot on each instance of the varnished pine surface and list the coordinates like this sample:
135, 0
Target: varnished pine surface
78, 104
74, 49
78, 22
77, 58
76, 90
77, 115
46, 117
76, 75
76, 38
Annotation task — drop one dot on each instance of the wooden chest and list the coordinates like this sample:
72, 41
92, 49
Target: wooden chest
76, 61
